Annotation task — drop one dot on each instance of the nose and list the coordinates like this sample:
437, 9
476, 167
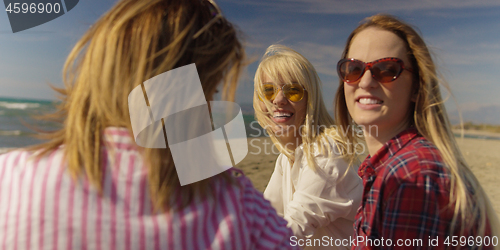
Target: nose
367, 80
280, 98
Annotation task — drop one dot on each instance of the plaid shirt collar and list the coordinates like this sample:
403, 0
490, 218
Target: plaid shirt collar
389, 149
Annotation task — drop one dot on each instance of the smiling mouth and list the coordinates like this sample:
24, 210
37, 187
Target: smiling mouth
369, 101
282, 115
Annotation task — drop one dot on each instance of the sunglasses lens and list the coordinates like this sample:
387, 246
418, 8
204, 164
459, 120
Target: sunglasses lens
386, 71
293, 92
268, 91
351, 71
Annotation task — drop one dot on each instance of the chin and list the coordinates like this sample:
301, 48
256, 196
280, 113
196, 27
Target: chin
284, 130
367, 121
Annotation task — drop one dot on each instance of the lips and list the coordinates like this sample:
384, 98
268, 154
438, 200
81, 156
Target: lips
369, 100
281, 116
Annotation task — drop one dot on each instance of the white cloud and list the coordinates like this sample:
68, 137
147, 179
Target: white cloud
323, 57
467, 44
455, 51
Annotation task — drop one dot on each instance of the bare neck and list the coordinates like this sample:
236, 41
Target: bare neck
291, 142
375, 139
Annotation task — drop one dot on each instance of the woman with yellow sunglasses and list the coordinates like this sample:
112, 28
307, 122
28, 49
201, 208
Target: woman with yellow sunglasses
312, 186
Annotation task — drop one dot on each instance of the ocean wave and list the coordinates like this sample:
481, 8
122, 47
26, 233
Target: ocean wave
11, 132
19, 105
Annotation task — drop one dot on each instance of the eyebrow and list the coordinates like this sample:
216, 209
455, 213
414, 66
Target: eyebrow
293, 82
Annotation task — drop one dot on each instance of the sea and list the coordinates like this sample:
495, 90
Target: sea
18, 123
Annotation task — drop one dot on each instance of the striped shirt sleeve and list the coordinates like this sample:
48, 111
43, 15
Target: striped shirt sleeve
269, 230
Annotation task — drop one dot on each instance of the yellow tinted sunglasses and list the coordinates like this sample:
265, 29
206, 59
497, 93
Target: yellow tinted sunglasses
293, 92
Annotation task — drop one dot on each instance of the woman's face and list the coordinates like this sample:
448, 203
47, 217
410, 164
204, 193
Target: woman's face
287, 115
385, 105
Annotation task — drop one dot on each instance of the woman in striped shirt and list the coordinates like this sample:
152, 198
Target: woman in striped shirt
91, 187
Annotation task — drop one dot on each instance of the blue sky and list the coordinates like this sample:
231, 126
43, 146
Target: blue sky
464, 36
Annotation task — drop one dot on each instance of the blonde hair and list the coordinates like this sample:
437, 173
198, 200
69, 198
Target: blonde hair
131, 43
285, 65
472, 205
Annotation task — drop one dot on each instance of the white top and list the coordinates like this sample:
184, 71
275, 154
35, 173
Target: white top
316, 203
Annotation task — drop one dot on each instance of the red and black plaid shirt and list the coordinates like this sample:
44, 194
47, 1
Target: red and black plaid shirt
405, 197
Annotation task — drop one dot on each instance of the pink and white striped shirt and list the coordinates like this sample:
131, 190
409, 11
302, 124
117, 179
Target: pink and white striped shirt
42, 207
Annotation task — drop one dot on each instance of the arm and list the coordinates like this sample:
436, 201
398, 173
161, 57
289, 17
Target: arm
267, 229
415, 211
322, 195
274, 188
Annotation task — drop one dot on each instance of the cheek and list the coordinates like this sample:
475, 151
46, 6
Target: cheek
262, 106
403, 100
400, 91
348, 93
301, 109
399, 97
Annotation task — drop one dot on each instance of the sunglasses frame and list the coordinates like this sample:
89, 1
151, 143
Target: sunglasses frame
281, 88
216, 15
369, 66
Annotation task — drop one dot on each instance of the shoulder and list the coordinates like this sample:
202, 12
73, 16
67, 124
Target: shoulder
14, 158
242, 191
238, 186
326, 155
328, 143
281, 161
417, 163
418, 155
16, 164
250, 203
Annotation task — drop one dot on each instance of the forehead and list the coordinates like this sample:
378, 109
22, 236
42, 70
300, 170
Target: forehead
266, 79
374, 43
280, 79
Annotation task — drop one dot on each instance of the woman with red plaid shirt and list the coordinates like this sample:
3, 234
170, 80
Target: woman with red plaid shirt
418, 190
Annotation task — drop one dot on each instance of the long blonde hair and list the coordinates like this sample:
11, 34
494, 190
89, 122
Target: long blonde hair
131, 43
472, 206
283, 64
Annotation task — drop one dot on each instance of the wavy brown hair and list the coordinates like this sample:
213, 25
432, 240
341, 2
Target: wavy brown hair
471, 204
131, 43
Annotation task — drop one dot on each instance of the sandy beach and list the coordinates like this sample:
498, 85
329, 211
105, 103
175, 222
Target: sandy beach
482, 155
